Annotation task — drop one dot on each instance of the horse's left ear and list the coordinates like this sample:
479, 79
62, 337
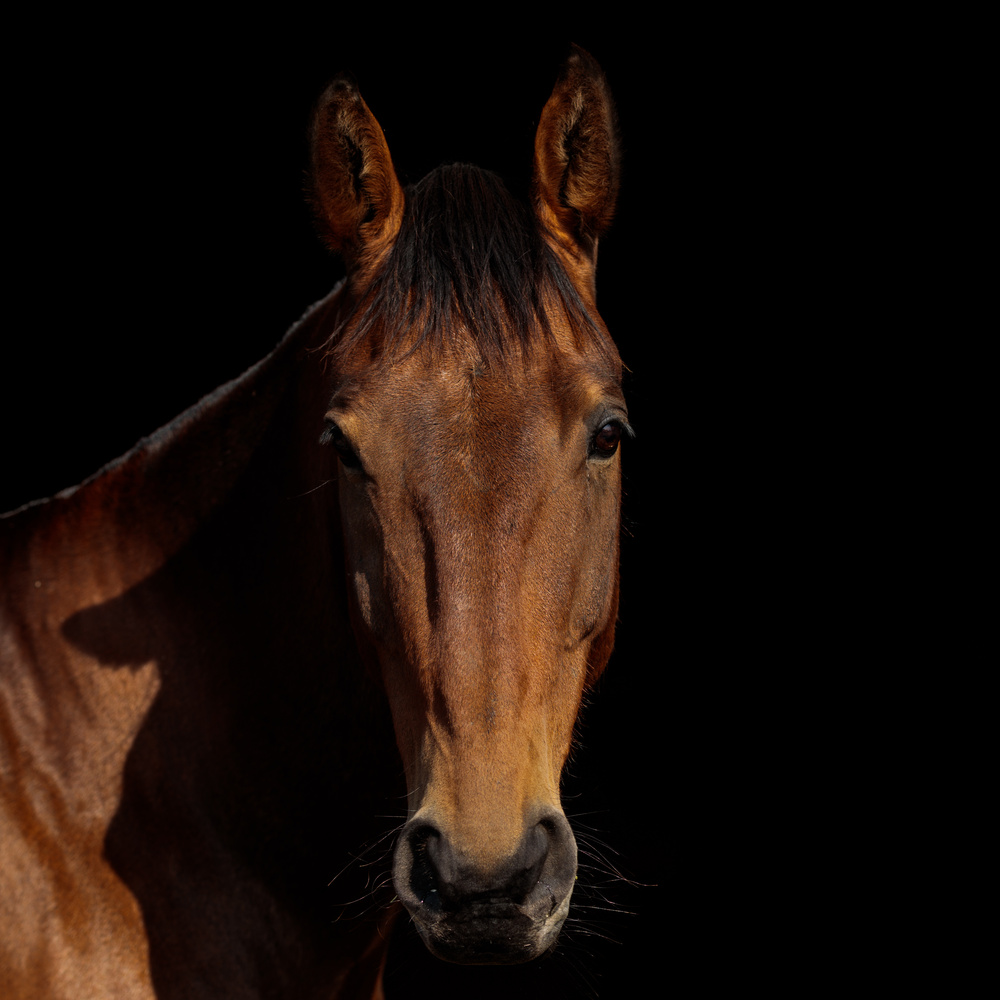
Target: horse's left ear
577, 158
355, 193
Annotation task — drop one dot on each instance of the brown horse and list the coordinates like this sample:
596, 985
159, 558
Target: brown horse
207, 647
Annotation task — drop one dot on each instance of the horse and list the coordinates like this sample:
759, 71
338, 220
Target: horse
381, 564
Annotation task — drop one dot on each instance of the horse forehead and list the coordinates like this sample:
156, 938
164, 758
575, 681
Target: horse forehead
474, 431
459, 392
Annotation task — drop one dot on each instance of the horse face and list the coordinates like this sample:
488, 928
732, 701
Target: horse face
479, 493
480, 505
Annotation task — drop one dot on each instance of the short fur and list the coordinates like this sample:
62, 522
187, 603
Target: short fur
189, 740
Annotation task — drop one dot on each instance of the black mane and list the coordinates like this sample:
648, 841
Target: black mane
467, 253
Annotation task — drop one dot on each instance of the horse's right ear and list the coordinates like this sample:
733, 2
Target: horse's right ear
355, 193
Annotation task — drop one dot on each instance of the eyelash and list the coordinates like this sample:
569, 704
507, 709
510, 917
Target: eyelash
334, 436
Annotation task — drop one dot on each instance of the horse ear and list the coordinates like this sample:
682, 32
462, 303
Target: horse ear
577, 157
355, 193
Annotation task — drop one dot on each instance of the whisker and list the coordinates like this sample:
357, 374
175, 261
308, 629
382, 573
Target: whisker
358, 858
326, 482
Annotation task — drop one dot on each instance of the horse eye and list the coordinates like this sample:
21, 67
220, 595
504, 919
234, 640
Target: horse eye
333, 435
606, 441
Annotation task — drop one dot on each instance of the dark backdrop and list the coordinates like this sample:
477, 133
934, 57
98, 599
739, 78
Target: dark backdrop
162, 245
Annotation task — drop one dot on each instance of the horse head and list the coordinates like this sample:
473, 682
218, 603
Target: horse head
477, 412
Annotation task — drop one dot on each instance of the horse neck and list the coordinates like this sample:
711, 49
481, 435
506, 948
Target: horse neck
193, 590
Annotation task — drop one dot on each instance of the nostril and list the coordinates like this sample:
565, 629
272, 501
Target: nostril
554, 864
425, 880
530, 863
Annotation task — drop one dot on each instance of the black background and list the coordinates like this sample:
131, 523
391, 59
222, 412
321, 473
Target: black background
161, 245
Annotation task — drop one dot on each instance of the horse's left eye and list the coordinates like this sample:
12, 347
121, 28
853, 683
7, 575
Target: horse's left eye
606, 441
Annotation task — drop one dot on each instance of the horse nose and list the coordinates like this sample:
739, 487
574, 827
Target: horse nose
463, 906
440, 876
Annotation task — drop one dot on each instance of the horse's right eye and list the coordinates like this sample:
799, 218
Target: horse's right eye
333, 435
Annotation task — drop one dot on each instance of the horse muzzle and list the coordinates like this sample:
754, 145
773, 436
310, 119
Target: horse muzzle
502, 913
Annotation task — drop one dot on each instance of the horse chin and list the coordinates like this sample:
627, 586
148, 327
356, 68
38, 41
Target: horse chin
489, 934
